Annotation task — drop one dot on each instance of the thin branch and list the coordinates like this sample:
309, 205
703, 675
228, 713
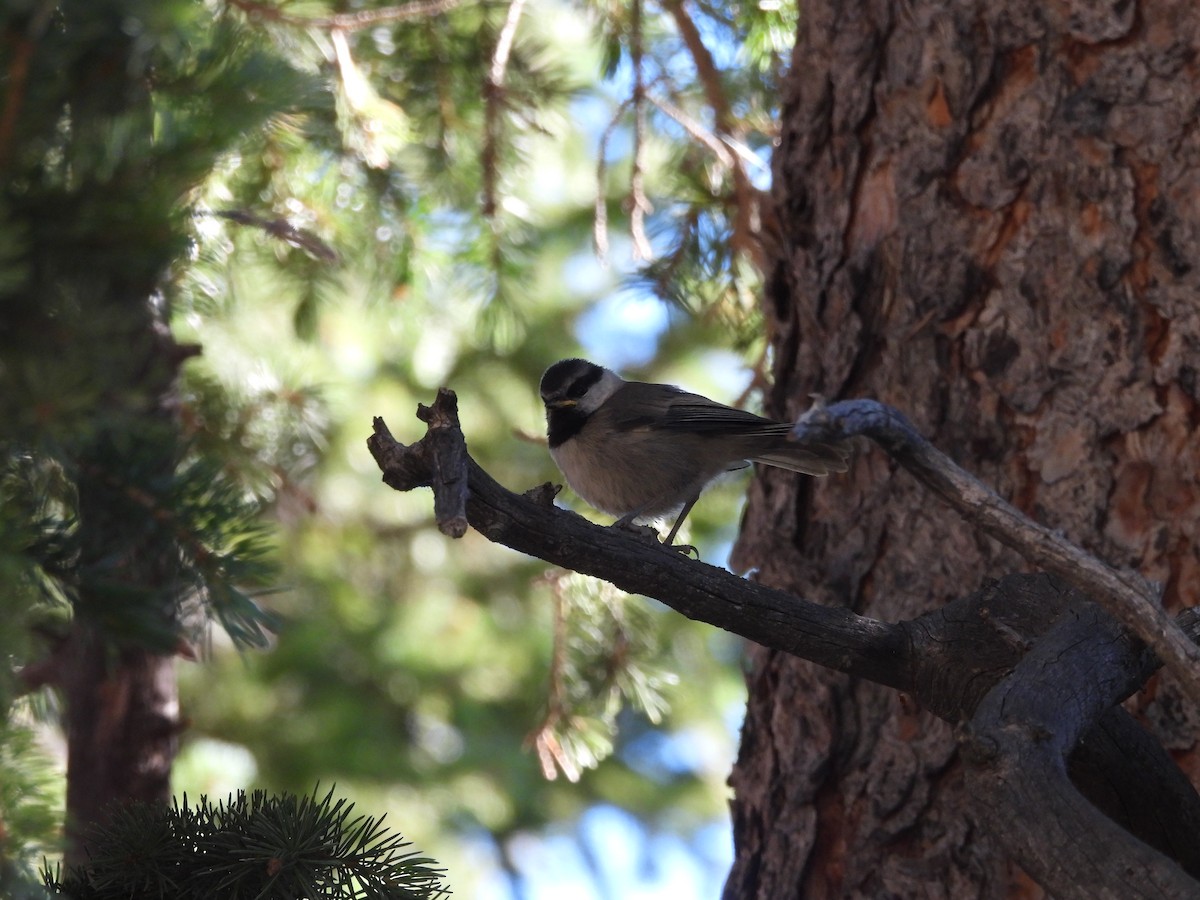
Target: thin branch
697, 131
283, 230
639, 203
493, 98
600, 219
18, 76
707, 72
1125, 595
504, 42
355, 21
544, 739
746, 198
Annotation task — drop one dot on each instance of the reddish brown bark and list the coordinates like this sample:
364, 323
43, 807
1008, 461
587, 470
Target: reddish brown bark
989, 216
122, 718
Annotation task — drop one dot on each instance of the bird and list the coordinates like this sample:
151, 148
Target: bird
641, 451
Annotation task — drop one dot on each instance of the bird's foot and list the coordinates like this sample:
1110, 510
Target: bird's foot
626, 523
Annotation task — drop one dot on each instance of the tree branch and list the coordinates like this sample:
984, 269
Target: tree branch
493, 97
639, 203
531, 524
355, 21
970, 660
1125, 595
283, 230
1016, 748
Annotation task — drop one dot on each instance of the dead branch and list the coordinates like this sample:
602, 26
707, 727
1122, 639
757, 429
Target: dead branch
1029, 642
283, 230
531, 524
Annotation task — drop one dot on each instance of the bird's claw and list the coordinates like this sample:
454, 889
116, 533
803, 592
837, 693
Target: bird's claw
650, 532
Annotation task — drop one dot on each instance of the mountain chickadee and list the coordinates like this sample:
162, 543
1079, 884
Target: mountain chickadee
642, 450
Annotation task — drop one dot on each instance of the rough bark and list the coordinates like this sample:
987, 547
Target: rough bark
122, 723
988, 218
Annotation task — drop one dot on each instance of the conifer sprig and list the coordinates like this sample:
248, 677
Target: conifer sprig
251, 847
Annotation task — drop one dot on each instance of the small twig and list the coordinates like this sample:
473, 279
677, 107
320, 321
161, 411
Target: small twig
707, 72
355, 21
723, 146
600, 219
493, 97
1125, 595
543, 738
504, 42
283, 230
639, 202
697, 131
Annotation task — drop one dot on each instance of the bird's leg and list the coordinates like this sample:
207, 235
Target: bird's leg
687, 508
627, 522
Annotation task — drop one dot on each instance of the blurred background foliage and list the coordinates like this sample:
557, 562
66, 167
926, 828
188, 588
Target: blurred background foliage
365, 202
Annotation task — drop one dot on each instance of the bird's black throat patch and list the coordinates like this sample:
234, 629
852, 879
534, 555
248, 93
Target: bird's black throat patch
563, 423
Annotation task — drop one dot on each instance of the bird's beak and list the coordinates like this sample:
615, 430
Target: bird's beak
562, 403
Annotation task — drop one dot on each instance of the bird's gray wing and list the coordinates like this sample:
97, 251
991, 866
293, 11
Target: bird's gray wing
672, 409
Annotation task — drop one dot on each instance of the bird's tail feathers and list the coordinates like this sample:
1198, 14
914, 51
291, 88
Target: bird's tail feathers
810, 459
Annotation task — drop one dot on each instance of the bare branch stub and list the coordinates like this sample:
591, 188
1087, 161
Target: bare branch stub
404, 467
446, 450
1125, 595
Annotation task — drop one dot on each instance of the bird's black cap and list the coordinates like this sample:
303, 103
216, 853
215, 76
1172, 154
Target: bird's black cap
569, 378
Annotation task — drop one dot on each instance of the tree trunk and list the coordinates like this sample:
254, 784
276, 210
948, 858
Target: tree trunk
118, 675
95, 305
122, 718
988, 216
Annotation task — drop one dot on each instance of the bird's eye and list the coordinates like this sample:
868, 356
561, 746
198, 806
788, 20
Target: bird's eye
577, 389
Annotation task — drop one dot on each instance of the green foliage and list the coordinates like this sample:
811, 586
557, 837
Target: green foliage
251, 846
29, 818
340, 220
124, 109
606, 654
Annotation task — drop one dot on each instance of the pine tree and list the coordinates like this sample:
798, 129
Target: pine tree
122, 538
